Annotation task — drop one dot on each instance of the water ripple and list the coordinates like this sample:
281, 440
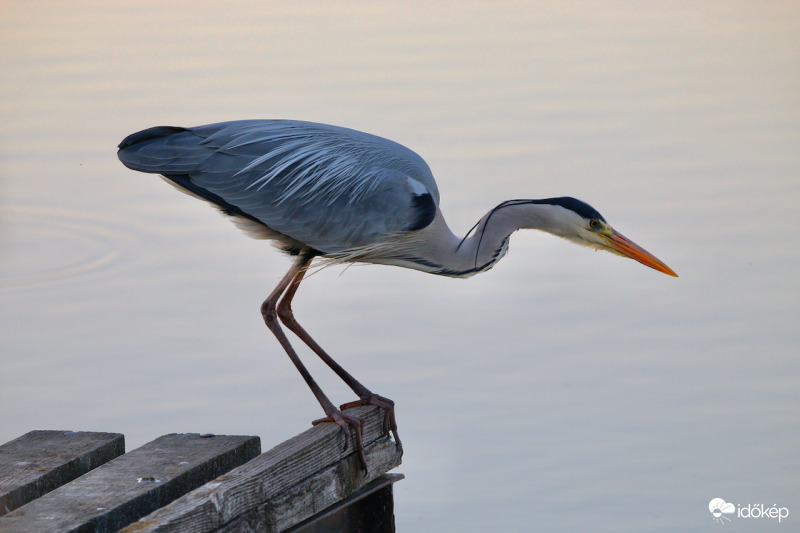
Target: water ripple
41, 245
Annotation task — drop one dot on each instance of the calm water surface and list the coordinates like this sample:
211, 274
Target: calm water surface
562, 391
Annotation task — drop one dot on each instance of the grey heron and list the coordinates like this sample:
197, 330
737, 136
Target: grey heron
340, 195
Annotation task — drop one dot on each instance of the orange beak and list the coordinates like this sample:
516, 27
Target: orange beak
623, 246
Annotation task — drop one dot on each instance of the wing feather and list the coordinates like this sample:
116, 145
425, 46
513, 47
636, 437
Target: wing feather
330, 188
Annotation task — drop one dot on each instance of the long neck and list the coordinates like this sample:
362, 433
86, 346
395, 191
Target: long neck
437, 250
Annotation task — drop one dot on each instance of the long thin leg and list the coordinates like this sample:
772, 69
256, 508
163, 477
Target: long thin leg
268, 311
366, 397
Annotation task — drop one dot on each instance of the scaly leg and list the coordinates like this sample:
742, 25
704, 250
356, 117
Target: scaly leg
366, 397
268, 311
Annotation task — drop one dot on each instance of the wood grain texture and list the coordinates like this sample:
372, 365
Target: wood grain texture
370, 508
40, 461
282, 486
132, 485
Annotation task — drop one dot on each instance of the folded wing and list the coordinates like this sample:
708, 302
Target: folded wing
328, 188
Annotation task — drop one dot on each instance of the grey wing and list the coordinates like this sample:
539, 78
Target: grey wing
329, 188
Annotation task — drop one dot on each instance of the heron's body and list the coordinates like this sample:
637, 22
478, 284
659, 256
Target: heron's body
346, 196
308, 185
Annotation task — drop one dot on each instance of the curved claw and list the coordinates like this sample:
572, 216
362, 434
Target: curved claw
345, 421
389, 421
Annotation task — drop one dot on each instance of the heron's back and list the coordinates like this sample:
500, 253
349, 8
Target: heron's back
328, 188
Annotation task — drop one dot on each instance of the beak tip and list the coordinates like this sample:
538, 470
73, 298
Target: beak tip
624, 246
661, 267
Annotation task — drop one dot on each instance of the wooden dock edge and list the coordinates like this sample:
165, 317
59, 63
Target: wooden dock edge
60, 457
284, 486
370, 508
132, 485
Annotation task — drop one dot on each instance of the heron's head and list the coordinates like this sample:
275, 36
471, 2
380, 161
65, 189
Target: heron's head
582, 224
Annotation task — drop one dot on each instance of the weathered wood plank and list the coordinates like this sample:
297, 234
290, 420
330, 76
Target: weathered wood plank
299, 478
313, 494
132, 485
40, 461
370, 508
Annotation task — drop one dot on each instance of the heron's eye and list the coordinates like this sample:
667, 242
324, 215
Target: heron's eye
594, 223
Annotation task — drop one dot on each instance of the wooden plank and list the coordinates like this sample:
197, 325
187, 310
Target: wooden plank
283, 486
40, 461
312, 495
132, 485
370, 508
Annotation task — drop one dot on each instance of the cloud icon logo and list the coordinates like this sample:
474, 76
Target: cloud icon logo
719, 508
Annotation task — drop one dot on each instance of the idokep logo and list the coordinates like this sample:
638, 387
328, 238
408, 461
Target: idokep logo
719, 508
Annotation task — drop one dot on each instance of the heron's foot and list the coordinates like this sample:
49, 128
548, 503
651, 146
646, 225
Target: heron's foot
389, 421
345, 422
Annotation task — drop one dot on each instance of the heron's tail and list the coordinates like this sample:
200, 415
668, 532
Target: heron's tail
162, 150
149, 134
